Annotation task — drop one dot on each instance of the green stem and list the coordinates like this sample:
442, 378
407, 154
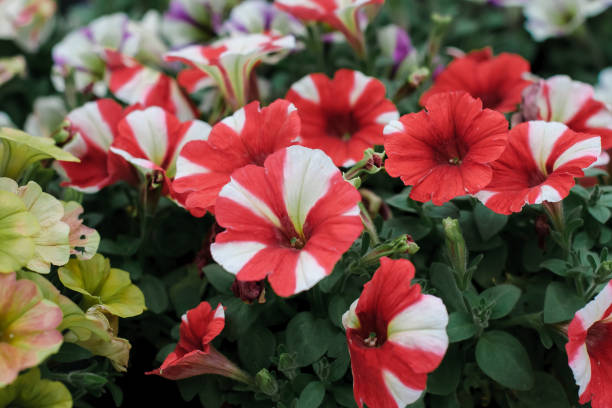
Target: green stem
368, 224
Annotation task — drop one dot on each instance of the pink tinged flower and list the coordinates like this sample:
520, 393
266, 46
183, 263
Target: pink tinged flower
342, 116
151, 140
27, 327
134, 83
290, 220
28, 22
540, 164
93, 129
194, 355
445, 151
230, 61
342, 15
559, 99
249, 136
588, 349
396, 336
83, 240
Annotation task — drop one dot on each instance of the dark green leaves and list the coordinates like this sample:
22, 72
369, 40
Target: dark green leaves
560, 303
503, 358
308, 337
488, 223
460, 327
502, 299
312, 395
256, 349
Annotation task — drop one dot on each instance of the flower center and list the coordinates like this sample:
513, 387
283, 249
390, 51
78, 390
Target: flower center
598, 336
371, 340
490, 100
341, 125
451, 153
455, 161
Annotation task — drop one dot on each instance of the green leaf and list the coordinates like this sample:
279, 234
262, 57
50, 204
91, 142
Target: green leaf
560, 303
312, 396
210, 394
503, 358
460, 327
413, 226
503, 298
30, 391
124, 245
445, 210
446, 377
308, 338
343, 394
239, 317
219, 278
546, 393
256, 349
190, 387
401, 201
337, 307
444, 401
600, 213
488, 222
70, 352
155, 293
443, 279
556, 266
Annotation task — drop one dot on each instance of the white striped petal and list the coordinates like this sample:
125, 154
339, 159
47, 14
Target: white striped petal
236, 121
308, 272
185, 168
394, 127
360, 83
307, 89
90, 121
548, 193
350, 320
581, 367
542, 139
594, 310
234, 255
402, 394
150, 131
242, 196
589, 147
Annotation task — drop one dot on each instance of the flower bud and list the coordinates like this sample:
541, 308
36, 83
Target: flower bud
266, 383
322, 369
456, 250
250, 291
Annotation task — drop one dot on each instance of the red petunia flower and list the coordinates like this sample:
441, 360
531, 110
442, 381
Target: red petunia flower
93, 128
445, 151
290, 220
249, 136
559, 99
497, 81
589, 349
396, 336
342, 116
151, 140
194, 355
539, 165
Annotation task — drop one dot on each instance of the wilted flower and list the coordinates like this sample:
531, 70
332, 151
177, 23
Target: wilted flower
28, 325
540, 164
396, 336
290, 220
28, 22
588, 349
231, 61
259, 16
30, 391
342, 116
497, 81
194, 355
446, 150
110, 288
249, 136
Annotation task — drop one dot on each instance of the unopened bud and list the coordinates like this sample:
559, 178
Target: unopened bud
401, 245
418, 76
287, 365
371, 163
266, 383
64, 133
322, 369
456, 250
249, 292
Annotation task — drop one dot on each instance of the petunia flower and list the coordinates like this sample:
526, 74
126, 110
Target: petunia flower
51, 242
28, 22
395, 44
31, 391
588, 349
193, 21
151, 140
28, 324
231, 61
446, 150
396, 336
341, 15
249, 136
555, 18
110, 288
78, 58
259, 16
194, 355
540, 164
342, 116
290, 220
17, 230
498, 81
560, 99
47, 116
134, 83
93, 128
83, 240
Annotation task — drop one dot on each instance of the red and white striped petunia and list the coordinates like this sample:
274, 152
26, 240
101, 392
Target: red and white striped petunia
93, 128
343, 15
446, 150
230, 61
396, 336
342, 116
134, 83
151, 140
249, 136
560, 99
540, 164
589, 349
290, 220
498, 81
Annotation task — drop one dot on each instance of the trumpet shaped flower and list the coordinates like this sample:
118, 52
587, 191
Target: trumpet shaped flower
342, 116
194, 355
28, 326
17, 230
540, 164
230, 61
588, 349
290, 220
396, 336
446, 150
249, 136
28, 22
